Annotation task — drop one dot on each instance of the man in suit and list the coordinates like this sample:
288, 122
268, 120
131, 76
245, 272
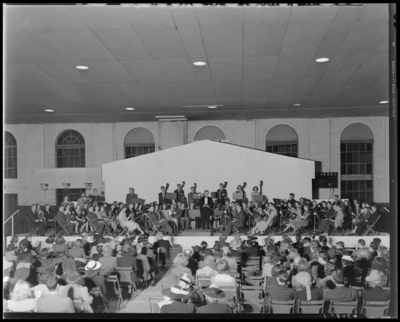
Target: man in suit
180, 193
337, 222
363, 224
38, 220
190, 195
238, 221
127, 259
340, 292
162, 196
173, 301
31, 217
281, 292
54, 303
291, 200
162, 248
130, 196
99, 225
339, 202
158, 221
212, 295
62, 219
206, 205
222, 193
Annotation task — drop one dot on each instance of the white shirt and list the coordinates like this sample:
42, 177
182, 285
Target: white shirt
206, 200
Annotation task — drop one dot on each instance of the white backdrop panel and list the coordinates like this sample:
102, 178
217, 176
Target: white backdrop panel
208, 163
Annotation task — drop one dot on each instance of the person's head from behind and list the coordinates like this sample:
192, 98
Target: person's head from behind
180, 260
43, 277
282, 277
222, 266
361, 243
51, 239
216, 248
225, 250
188, 252
373, 247
276, 269
209, 260
60, 240
143, 251
73, 277
22, 290
306, 241
303, 266
377, 240
52, 283
78, 243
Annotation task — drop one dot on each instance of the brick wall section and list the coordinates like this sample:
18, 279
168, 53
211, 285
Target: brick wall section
319, 139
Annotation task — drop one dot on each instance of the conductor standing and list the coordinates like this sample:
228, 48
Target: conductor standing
206, 205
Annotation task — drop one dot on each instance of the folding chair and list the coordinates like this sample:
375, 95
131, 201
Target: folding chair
96, 291
93, 227
64, 229
124, 230
154, 308
251, 296
310, 307
117, 289
81, 307
127, 277
370, 229
373, 309
282, 307
203, 281
303, 228
337, 307
239, 230
339, 230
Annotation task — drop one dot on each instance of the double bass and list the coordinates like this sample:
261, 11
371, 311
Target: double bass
181, 197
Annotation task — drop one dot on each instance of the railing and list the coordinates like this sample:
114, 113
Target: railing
12, 221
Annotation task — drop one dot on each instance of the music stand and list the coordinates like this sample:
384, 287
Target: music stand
237, 196
170, 195
277, 202
257, 197
214, 195
141, 201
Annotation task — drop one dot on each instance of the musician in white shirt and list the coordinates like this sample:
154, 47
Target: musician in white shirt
206, 209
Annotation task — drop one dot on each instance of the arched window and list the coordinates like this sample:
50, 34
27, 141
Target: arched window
138, 141
356, 158
282, 139
10, 157
70, 150
210, 133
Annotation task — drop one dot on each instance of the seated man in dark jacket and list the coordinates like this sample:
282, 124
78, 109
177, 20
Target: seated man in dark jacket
340, 292
212, 294
99, 225
376, 292
281, 292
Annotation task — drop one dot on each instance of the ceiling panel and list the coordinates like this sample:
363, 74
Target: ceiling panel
129, 92
329, 85
349, 13
86, 45
254, 103
220, 16
64, 72
175, 70
260, 67
314, 14
381, 86
162, 43
145, 105
102, 18
345, 65
294, 66
184, 17
365, 36
276, 101
26, 75
158, 90
256, 88
89, 92
207, 89
42, 19
266, 15
343, 100
304, 38
359, 84
223, 41
317, 101
186, 89
229, 104
307, 86
108, 72
383, 47
124, 44
193, 102
226, 68
375, 11
144, 70
170, 104
285, 87
227, 89
148, 17
264, 40
375, 65
193, 42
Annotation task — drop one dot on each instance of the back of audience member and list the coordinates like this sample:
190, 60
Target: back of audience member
281, 292
307, 292
22, 298
340, 292
223, 278
212, 295
375, 292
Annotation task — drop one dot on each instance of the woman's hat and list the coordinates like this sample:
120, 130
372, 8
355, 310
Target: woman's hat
235, 243
252, 237
25, 257
68, 263
185, 281
21, 274
107, 249
269, 241
379, 263
92, 265
347, 258
374, 276
329, 266
304, 278
286, 239
175, 292
73, 276
214, 292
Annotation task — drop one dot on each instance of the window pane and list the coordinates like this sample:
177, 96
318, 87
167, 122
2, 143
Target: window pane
369, 147
349, 157
356, 185
369, 168
349, 147
343, 185
355, 147
362, 147
269, 148
362, 185
152, 149
362, 169
356, 196
356, 157
350, 169
127, 150
343, 169
350, 195
287, 148
342, 157
369, 197
369, 158
369, 184
281, 148
350, 185
294, 148
342, 147
275, 148
356, 169
363, 157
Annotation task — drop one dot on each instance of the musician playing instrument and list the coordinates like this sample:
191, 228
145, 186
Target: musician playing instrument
206, 205
180, 193
239, 189
126, 223
272, 214
71, 218
217, 215
156, 220
40, 220
222, 193
162, 196
170, 215
297, 218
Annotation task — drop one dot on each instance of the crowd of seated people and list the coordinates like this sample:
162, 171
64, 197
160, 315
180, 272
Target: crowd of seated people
171, 216
62, 277
306, 270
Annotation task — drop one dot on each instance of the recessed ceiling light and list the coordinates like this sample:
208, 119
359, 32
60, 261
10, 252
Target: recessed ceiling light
212, 106
296, 104
383, 102
322, 60
199, 63
82, 67
50, 111
130, 108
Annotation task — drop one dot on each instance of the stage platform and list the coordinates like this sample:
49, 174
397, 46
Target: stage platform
189, 241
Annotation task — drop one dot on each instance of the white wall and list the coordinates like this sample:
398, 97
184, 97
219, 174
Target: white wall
208, 163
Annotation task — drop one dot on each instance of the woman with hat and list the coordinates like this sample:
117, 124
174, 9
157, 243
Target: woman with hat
212, 295
305, 292
234, 245
180, 263
93, 279
172, 303
375, 281
380, 264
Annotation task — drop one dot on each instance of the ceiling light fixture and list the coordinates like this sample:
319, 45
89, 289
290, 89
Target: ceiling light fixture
212, 106
297, 104
199, 63
130, 108
383, 102
82, 67
50, 111
322, 60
